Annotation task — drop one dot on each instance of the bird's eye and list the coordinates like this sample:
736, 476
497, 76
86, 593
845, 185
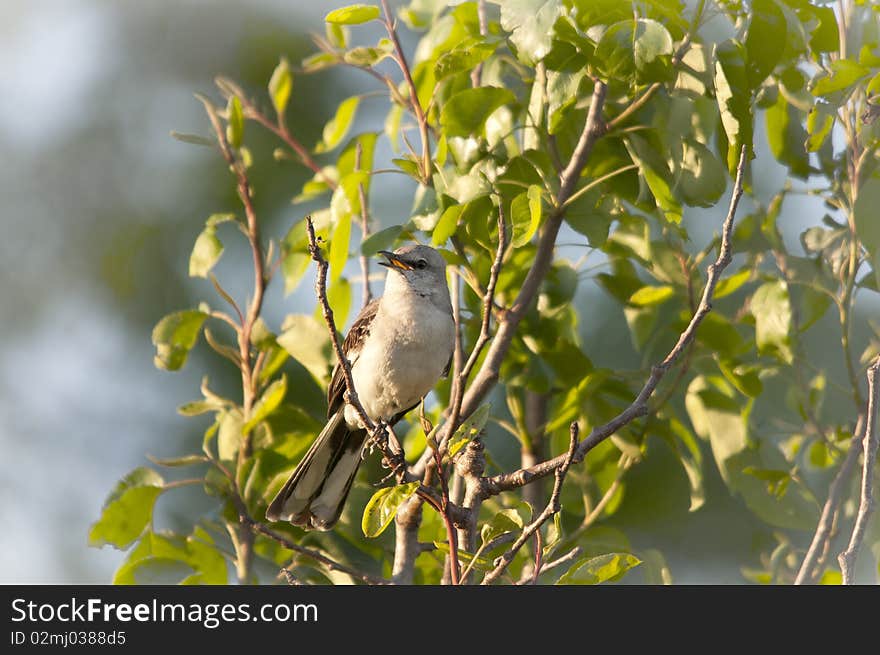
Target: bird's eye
421, 264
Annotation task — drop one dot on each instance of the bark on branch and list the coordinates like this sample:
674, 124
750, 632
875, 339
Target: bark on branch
848, 557
552, 508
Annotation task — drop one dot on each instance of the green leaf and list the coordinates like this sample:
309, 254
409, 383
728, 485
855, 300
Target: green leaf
280, 86
654, 171
844, 74
268, 403
651, 295
525, 215
480, 563
732, 284
716, 415
530, 24
234, 122
336, 129
652, 48
175, 335
469, 429
339, 244
596, 570
339, 297
367, 57
462, 59
205, 253
168, 557
691, 458
744, 377
786, 137
765, 40
615, 52
174, 462
771, 307
865, 213
702, 179
305, 339
465, 113
382, 507
734, 97
193, 139
819, 123
128, 509
507, 520
229, 434
447, 224
353, 14
382, 240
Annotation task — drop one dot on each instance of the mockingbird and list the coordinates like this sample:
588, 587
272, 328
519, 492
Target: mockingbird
398, 347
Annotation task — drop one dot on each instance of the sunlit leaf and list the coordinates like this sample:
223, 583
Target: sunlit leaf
383, 506
128, 509
465, 113
596, 570
353, 14
175, 335
280, 86
268, 403
235, 122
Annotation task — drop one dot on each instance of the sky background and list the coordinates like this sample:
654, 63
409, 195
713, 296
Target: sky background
100, 209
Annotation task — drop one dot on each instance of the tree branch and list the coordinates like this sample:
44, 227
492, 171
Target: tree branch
487, 376
848, 557
639, 406
552, 508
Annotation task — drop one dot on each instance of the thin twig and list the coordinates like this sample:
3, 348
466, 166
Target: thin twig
422, 120
563, 559
463, 372
848, 557
552, 508
314, 554
835, 496
639, 406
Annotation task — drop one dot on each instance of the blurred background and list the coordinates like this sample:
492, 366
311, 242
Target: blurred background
100, 210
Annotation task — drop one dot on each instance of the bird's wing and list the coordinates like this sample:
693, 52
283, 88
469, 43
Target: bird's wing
351, 347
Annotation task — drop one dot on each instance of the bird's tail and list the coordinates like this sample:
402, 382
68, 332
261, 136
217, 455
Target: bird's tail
314, 495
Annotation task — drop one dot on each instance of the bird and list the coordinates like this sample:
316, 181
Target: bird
399, 347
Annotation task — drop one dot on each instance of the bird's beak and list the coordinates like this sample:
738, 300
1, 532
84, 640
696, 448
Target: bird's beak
394, 261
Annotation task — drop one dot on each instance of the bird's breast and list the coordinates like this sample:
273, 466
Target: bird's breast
403, 358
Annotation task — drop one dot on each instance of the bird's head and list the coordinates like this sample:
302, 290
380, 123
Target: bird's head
415, 268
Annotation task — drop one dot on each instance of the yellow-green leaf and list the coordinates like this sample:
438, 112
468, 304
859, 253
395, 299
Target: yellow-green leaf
175, 335
469, 429
235, 122
353, 14
280, 85
651, 295
336, 129
205, 253
596, 570
382, 507
339, 247
128, 509
525, 214
268, 403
